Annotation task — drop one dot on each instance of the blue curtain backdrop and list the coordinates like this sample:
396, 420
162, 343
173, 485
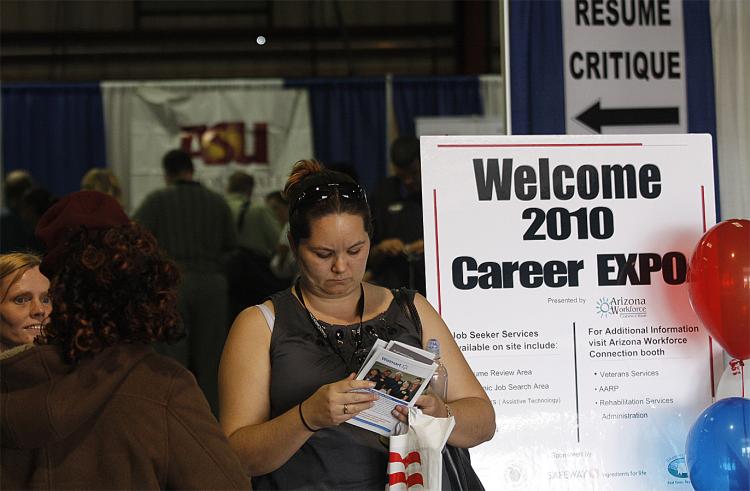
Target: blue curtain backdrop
56, 132
699, 67
537, 81
348, 123
434, 96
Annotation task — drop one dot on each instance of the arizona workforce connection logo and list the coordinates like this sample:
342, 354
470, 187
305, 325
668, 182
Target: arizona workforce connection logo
622, 307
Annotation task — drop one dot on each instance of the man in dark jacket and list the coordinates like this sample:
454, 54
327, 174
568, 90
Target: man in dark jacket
195, 226
397, 255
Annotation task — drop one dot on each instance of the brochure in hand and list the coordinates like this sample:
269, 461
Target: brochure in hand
401, 373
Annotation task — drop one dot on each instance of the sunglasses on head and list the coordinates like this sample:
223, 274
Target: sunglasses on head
346, 191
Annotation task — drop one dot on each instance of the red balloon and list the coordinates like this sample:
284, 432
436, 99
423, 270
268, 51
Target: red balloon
719, 285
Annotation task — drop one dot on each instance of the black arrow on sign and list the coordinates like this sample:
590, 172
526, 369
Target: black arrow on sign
595, 117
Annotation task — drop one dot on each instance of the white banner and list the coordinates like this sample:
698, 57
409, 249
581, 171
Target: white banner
256, 126
560, 265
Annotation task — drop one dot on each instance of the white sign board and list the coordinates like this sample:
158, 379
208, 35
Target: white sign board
559, 263
624, 66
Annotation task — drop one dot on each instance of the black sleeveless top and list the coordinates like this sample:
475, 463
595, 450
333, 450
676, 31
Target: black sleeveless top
340, 457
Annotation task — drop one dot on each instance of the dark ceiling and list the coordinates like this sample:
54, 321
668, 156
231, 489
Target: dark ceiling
130, 39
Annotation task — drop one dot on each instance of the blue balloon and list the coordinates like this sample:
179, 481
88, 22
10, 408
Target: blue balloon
718, 447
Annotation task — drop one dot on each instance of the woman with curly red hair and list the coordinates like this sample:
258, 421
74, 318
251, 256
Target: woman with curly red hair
94, 407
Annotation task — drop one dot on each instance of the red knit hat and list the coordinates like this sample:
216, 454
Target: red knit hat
81, 210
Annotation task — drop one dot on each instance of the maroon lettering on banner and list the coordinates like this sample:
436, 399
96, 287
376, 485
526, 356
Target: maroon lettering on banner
225, 142
218, 143
189, 135
260, 139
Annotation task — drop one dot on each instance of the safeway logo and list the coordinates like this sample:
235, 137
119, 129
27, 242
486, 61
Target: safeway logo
410, 475
225, 142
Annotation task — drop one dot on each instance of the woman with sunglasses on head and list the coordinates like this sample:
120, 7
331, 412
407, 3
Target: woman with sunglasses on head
288, 368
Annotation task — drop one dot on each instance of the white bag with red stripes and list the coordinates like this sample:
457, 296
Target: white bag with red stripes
415, 461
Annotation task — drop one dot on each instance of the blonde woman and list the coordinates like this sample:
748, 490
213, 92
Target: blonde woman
25, 304
104, 181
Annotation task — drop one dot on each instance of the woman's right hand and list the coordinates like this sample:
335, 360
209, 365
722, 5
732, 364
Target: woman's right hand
334, 403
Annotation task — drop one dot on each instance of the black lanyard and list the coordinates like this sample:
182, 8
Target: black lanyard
356, 332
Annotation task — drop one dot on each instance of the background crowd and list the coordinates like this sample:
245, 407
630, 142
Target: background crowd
233, 250
77, 322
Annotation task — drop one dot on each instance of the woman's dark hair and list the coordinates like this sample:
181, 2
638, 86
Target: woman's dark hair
306, 176
113, 286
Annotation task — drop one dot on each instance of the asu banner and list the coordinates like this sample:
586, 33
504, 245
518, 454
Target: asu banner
257, 126
560, 264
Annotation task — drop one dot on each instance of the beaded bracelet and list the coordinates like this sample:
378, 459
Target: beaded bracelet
303, 419
448, 409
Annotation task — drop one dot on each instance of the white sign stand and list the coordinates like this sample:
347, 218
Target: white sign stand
560, 263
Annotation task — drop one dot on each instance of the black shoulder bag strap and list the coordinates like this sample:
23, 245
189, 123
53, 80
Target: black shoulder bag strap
456, 461
406, 302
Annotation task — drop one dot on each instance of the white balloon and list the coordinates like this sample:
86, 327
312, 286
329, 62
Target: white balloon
730, 384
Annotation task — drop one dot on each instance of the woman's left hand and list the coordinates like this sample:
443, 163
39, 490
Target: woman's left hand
430, 404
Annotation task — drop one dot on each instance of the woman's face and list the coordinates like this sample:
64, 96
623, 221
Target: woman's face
333, 259
24, 309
